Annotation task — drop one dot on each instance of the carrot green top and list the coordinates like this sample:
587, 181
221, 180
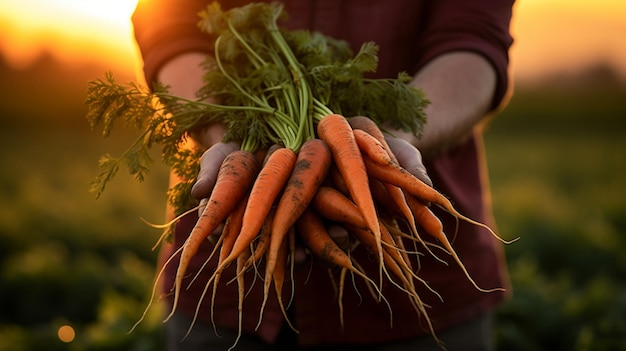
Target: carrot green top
272, 85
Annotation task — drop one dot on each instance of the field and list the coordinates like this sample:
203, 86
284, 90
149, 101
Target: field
557, 169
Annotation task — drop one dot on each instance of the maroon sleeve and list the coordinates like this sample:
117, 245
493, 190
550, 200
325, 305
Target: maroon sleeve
164, 29
481, 26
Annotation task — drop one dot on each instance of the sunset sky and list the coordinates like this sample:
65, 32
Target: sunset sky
551, 35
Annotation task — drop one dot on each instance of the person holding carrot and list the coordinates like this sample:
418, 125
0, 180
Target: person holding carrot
457, 53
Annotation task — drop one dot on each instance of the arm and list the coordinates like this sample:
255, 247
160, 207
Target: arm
183, 75
462, 67
460, 86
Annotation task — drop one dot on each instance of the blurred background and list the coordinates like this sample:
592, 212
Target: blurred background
76, 272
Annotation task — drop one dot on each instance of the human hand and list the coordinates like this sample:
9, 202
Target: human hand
340, 236
210, 164
409, 157
401, 143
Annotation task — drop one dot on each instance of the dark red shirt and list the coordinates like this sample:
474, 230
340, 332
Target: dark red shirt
410, 33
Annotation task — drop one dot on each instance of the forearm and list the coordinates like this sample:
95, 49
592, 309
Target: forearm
183, 75
460, 87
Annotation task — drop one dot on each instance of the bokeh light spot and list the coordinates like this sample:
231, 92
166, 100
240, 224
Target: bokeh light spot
66, 333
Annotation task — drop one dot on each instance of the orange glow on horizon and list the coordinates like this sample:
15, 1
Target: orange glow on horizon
74, 31
567, 35
550, 35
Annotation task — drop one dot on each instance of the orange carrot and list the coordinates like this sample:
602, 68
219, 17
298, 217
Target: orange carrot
241, 259
233, 181
433, 227
311, 167
392, 198
383, 198
291, 258
342, 279
398, 176
372, 142
278, 277
376, 141
368, 125
366, 238
338, 134
231, 230
261, 242
393, 248
266, 188
335, 130
335, 206
314, 234
336, 179
371, 147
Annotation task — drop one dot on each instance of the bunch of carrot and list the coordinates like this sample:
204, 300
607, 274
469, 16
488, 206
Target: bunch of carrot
297, 165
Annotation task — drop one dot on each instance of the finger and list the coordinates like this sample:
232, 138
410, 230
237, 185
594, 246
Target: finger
209, 167
409, 158
215, 235
340, 236
300, 255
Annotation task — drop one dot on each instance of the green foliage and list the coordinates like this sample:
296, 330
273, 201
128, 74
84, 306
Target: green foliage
68, 259
557, 178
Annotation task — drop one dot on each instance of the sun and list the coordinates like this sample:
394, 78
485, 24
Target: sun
71, 30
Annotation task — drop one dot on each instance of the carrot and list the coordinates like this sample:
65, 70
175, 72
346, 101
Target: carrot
366, 238
155, 285
291, 260
389, 244
278, 277
398, 176
241, 259
264, 192
234, 178
338, 134
229, 235
261, 242
311, 167
396, 193
398, 268
392, 198
393, 248
342, 279
371, 147
368, 125
335, 206
312, 231
392, 229
336, 179
383, 199
371, 139
314, 234
433, 227
335, 130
